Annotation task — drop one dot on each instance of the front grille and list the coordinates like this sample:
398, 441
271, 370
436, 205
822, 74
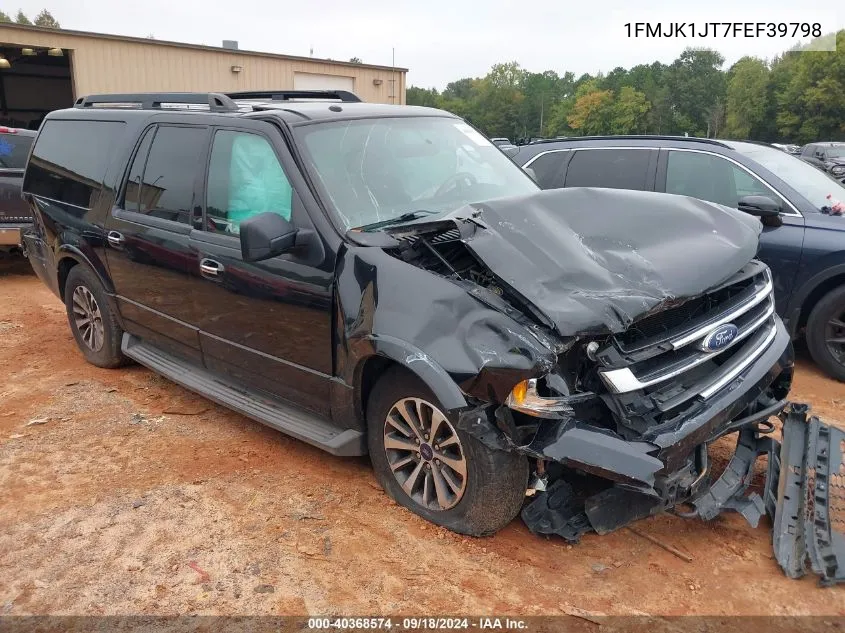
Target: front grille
666, 352
688, 313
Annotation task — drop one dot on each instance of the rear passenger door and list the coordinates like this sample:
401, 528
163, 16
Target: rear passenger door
265, 325
715, 178
148, 254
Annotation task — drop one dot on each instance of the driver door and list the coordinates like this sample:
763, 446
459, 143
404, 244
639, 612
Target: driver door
265, 325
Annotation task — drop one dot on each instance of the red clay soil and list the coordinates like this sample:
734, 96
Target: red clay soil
124, 493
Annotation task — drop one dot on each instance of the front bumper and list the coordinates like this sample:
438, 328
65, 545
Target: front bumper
664, 467
645, 464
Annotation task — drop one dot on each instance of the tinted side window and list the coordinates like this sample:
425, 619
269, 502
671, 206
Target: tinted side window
610, 168
245, 178
167, 183
711, 177
14, 148
132, 194
70, 158
549, 169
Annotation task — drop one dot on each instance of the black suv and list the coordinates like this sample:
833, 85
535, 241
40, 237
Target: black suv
15, 216
803, 240
384, 280
829, 157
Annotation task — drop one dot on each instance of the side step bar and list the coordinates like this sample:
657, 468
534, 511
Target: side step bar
290, 420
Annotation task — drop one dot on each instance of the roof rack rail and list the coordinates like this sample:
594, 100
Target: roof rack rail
215, 101
290, 95
629, 137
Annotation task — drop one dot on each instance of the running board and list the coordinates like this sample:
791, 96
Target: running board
290, 420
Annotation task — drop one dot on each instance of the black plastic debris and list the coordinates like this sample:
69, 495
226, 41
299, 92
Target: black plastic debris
557, 510
728, 491
807, 479
614, 508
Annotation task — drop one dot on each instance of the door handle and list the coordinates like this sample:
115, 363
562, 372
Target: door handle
115, 238
210, 268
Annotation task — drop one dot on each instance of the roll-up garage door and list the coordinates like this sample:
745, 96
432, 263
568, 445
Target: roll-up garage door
312, 81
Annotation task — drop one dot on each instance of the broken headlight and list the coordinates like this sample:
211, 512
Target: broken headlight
525, 399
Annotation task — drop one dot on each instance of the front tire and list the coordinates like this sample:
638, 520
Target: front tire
425, 463
91, 319
825, 333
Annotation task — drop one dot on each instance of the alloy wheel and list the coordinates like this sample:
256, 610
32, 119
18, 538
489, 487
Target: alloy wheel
425, 454
88, 319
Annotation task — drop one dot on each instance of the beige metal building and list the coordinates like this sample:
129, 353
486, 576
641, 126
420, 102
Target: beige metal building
46, 69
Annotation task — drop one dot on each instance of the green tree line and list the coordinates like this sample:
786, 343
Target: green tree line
797, 97
45, 18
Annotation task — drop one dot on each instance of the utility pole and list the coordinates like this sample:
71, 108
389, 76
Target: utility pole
542, 103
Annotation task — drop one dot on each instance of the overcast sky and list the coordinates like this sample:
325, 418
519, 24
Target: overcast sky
443, 40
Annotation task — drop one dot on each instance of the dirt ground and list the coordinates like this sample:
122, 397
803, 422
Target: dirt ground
123, 493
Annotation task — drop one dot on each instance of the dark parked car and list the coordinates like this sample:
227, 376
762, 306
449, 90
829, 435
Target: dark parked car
788, 148
803, 241
829, 157
14, 212
382, 279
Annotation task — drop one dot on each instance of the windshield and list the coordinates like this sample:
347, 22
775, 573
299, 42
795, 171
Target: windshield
835, 152
811, 183
379, 169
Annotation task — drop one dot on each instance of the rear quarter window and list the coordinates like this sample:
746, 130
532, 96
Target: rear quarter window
14, 148
70, 159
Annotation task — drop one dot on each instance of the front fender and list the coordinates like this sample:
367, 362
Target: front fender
459, 346
417, 361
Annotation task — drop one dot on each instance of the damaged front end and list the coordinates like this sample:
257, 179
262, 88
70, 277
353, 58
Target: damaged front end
601, 351
621, 427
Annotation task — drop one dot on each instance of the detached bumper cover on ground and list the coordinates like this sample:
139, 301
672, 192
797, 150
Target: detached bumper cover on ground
805, 490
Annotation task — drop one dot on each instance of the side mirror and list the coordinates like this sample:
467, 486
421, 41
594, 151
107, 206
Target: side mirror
763, 207
266, 235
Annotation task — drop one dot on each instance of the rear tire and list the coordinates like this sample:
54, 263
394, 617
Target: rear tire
92, 321
826, 323
483, 500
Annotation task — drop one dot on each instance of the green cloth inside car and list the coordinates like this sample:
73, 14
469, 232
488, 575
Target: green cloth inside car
257, 182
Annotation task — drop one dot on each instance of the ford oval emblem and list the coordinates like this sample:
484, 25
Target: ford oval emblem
720, 338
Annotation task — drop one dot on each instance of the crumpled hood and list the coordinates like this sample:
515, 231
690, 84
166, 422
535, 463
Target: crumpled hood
594, 260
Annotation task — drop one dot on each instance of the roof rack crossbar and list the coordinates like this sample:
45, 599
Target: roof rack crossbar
216, 102
290, 95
